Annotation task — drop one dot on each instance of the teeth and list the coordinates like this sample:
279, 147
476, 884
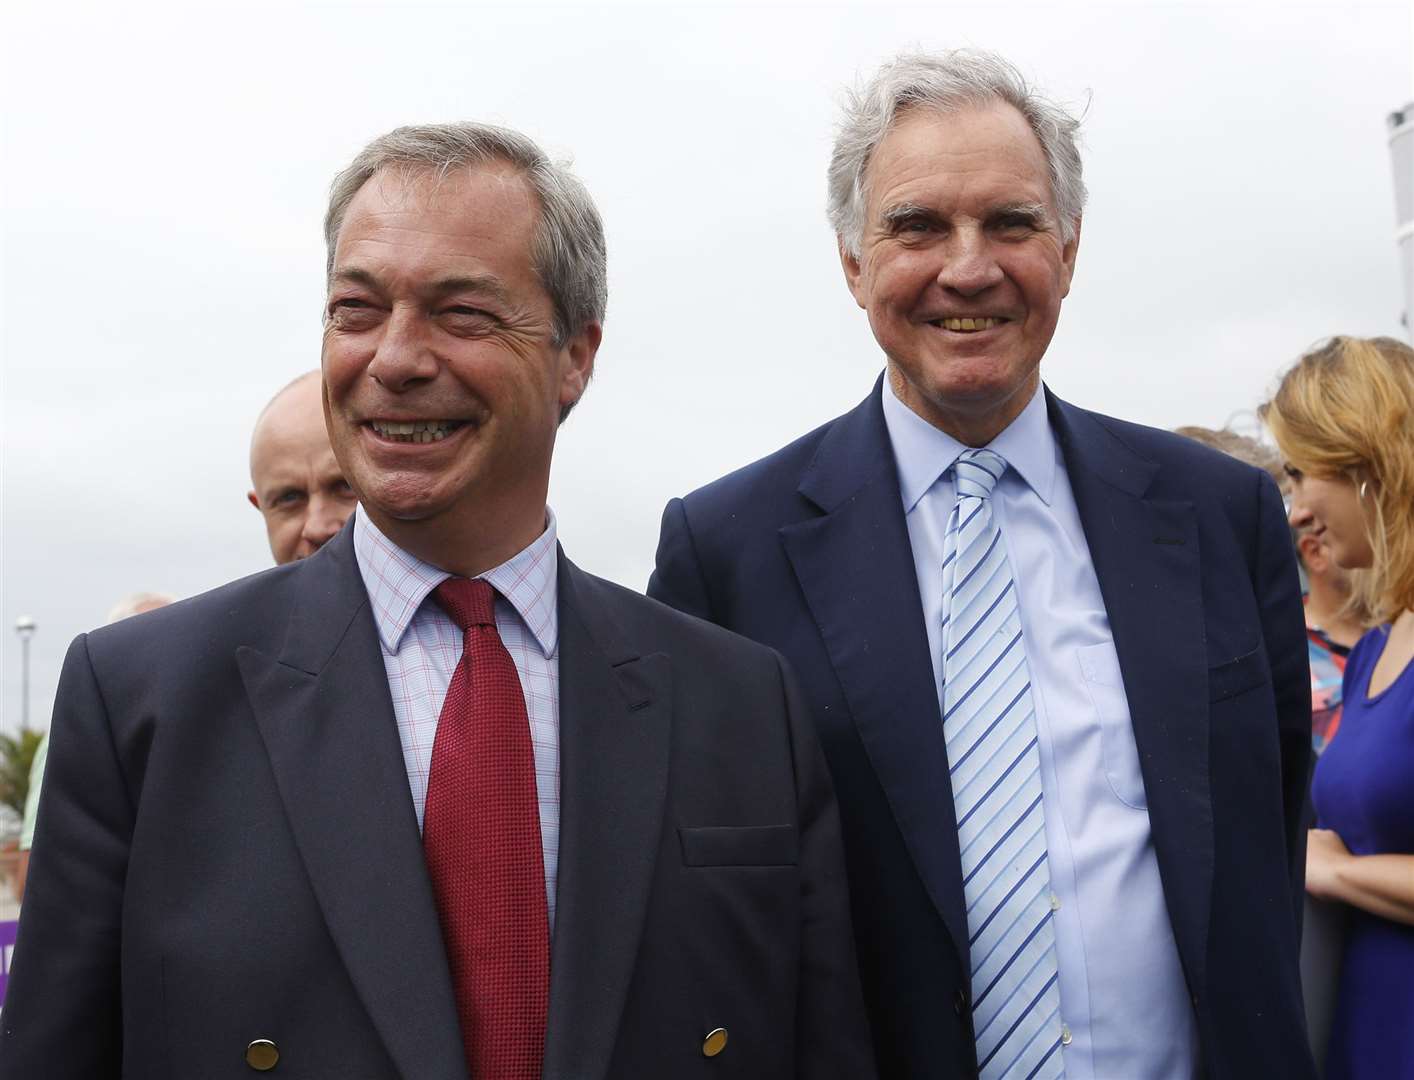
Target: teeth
968, 325
419, 431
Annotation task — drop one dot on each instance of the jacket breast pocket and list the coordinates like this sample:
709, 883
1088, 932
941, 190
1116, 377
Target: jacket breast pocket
1239, 675
738, 845
1100, 666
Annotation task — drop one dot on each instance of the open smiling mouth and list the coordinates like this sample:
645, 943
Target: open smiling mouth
966, 326
415, 431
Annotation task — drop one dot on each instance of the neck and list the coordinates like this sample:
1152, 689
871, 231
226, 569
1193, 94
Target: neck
465, 549
971, 428
1325, 607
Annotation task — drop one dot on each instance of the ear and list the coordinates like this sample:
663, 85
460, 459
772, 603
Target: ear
853, 274
578, 369
1068, 252
253, 500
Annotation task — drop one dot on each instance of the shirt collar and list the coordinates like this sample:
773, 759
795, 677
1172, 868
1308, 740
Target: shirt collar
398, 583
923, 452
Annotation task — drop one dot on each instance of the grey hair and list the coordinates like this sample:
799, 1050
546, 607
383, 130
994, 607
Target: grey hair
947, 82
568, 250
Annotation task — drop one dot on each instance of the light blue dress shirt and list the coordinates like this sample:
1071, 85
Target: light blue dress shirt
1124, 1001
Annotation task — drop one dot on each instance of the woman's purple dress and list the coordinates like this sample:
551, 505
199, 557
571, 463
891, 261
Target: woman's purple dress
1364, 790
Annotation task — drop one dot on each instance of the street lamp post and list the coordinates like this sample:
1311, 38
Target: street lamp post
25, 627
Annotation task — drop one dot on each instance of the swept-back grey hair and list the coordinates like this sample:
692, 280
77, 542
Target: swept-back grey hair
569, 252
945, 81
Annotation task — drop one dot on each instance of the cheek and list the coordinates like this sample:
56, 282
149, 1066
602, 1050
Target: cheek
894, 285
342, 363
284, 528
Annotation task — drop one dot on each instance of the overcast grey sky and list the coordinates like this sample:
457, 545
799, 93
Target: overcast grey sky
165, 169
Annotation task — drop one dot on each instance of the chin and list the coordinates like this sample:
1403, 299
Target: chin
408, 510
406, 501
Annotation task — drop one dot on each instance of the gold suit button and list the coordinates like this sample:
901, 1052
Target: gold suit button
715, 1042
262, 1055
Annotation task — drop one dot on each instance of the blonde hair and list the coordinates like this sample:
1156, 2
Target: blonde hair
1346, 410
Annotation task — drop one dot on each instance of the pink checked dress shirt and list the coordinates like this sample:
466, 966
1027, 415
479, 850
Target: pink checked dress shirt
421, 647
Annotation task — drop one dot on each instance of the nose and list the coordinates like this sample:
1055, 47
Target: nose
969, 265
325, 518
1298, 517
403, 358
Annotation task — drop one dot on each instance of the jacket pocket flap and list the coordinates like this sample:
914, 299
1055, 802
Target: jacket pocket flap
738, 845
1238, 676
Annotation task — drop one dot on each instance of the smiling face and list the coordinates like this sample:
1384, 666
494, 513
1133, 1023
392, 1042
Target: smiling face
961, 268
443, 384
1336, 515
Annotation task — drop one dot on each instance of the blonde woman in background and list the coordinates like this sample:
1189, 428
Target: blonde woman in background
1336, 615
1344, 420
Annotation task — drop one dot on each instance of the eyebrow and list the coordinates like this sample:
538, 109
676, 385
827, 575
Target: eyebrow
478, 283
1035, 212
894, 214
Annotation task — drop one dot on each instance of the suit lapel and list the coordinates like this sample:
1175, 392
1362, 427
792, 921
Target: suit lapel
615, 719
1147, 559
855, 567
327, 721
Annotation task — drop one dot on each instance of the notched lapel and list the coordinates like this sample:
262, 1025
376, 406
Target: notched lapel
615, 724
855, 567
1148, 562
327, 722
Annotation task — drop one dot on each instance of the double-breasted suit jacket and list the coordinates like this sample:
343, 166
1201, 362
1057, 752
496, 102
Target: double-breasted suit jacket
227, 851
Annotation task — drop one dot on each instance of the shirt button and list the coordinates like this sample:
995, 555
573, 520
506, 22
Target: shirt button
1065, 1035
1055, 902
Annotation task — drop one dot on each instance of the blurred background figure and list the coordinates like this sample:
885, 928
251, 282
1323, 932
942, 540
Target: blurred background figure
135, 604
1336, 616
296, 483
1343, 419
1241, 447
1336, 610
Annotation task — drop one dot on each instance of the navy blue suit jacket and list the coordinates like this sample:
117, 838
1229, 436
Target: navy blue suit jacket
807, 551
227, 850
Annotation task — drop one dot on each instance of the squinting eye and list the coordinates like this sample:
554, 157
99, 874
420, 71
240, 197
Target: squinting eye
1291, 471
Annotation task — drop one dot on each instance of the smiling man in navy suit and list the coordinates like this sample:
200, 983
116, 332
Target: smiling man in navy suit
434, 803
1056, 659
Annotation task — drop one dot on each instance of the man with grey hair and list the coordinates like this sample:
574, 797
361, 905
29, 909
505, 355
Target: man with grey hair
1056, 660
433, 802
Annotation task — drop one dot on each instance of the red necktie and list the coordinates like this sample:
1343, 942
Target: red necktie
481, 836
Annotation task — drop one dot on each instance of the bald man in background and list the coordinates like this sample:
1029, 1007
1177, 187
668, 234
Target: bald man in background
297, 485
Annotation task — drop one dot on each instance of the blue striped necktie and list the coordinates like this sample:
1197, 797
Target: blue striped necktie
989, 724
